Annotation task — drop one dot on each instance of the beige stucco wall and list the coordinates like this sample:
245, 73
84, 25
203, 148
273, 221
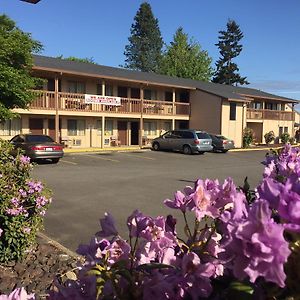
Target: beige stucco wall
233, 129
205, 112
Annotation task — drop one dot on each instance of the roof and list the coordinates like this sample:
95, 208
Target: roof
94, 70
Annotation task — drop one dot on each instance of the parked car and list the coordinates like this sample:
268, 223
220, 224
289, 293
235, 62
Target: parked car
186, 140
38, 146
221, 143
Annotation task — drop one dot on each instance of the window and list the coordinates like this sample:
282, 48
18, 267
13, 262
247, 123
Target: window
168, 96
122, 91
109, 90
232, 115
273, 106
150, 128
10, 127
99, 89
150, 95
76, 127
167, 126
99, 127
76, 87
135, 93
183, 96
109, 126
256, 105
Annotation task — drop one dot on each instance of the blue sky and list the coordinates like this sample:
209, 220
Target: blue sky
100, 29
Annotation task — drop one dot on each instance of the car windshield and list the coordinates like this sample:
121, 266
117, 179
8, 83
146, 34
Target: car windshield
203, 135
38, 139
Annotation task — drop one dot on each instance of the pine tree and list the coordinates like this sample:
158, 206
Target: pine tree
145, 43
227, 71
184, 58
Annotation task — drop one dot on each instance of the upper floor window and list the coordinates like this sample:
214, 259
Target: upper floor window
150, 94
272, 106
168, 96
183, 96
109, 90
256, 105
232, 114
76, 87
99, 89
135, 93
122, 91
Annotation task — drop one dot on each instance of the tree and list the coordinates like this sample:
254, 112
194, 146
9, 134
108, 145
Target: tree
16, 62
184, 58
145, 43
227, 71
73, 58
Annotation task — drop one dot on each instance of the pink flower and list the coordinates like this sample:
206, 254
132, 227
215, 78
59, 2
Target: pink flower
18, 294
108, 226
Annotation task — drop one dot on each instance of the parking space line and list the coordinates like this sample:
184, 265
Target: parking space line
68, 162
145, 157
103, 158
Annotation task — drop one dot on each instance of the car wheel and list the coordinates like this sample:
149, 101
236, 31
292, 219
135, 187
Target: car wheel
187, 149
55, 160
155, 146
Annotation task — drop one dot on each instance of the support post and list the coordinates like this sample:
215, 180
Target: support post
102, 131
56, 110
141, 118
173, 109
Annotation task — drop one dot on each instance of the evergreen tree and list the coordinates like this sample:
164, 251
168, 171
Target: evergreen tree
16, 62
184, 58
145, 43
227, 71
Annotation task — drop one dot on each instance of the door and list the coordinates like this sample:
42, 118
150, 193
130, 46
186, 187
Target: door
122, 132
51, 128
134, 137
36, 125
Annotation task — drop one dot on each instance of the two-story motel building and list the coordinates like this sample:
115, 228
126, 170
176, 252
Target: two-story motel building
89, 105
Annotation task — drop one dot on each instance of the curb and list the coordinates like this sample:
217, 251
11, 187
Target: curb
115, 149
59, 246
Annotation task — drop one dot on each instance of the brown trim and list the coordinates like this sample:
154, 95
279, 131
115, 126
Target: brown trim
238, 100
271, 98
111, 77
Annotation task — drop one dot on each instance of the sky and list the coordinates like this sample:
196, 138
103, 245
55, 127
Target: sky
97, 29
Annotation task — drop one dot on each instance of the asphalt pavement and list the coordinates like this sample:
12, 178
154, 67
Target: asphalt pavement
86, 185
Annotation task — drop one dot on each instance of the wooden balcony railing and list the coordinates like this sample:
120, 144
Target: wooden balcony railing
265, 114
75, 102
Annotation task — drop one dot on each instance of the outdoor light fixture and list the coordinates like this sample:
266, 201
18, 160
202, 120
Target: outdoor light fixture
31, 1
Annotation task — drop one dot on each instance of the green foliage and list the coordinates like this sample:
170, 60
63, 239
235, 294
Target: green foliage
292, 140
16, 61
269, 137
284, 137
143, 52
229, 47
23, 203
247, 137
184, 58
73, 58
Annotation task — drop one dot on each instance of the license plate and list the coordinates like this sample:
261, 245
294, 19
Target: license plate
49, 149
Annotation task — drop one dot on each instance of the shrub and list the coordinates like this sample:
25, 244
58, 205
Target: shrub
284, 137
269, 137
292, 140
247, 137
23, 203
241, 245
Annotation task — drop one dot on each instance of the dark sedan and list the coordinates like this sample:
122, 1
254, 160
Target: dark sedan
220, 143
38, 146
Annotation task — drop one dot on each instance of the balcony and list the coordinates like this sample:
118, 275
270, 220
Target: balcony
265, 114
45, 100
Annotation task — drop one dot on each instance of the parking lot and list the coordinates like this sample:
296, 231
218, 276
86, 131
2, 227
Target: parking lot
87, 185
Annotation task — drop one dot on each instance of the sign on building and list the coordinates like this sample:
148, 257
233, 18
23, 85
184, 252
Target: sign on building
106, 100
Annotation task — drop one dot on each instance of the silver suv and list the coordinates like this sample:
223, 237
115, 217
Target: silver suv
186, 140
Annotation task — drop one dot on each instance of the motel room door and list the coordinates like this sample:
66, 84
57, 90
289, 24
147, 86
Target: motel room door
122, 132
36, 125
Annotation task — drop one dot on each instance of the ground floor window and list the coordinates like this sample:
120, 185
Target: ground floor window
10, 127
167, 126
109, 126
283, 130
150, 128
99, 127
76, 127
